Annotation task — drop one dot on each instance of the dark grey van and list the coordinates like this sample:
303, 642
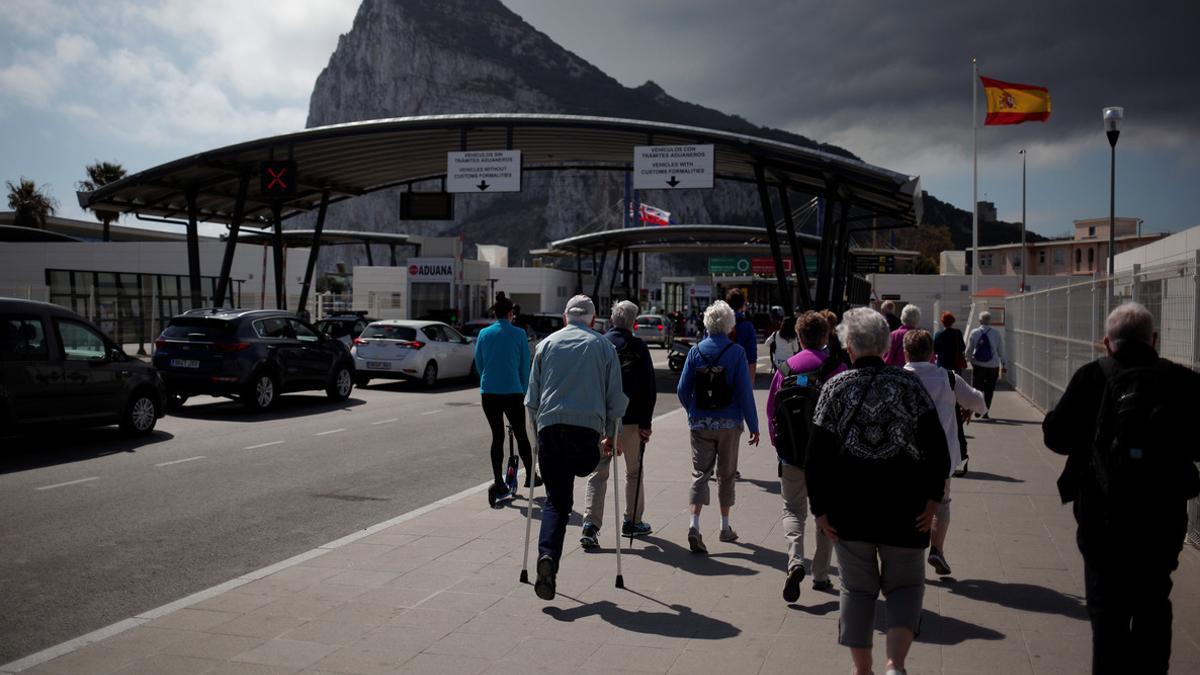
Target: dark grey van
57, 368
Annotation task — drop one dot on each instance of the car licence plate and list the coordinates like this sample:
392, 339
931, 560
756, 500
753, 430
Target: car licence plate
379, 365
184, 363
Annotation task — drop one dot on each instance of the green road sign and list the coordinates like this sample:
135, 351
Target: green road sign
728, 264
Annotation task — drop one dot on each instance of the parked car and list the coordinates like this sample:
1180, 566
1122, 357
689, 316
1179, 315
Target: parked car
654, 328
344, 326
249, 355
540, 325
412, 350
57, 368
471, 328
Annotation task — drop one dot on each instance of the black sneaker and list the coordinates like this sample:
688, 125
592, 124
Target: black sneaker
791, 587
696, 541
589, 540
495, 491
632, 529
939, 562
537, 481
823, 585
545, 584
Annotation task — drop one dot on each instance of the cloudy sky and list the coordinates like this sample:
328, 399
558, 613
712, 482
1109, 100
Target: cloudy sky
145, 82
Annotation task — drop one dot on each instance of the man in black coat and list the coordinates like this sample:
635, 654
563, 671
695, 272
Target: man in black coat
638, 383
1128, 587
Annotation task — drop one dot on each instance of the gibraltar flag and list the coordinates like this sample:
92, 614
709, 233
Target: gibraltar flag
654, 216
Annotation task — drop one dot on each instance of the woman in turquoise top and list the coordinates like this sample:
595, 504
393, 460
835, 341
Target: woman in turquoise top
502, 361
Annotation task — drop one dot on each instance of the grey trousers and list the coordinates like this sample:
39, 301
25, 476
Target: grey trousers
795, 513
866, 569
630, 443
714, 449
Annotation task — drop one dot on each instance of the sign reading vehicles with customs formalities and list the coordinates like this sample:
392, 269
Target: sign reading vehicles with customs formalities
672, 167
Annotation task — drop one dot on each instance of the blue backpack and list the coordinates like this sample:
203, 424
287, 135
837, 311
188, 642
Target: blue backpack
983, 347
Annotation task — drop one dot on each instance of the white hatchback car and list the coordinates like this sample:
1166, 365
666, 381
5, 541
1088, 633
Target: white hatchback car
412, 350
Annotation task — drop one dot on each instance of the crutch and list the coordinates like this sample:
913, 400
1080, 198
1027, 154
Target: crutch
530, 471
617, 504
641, 476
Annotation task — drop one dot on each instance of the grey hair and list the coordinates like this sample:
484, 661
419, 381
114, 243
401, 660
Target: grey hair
985, 318
719, 318
624, 314
887, 307
865, 332
910, 316
1131, 322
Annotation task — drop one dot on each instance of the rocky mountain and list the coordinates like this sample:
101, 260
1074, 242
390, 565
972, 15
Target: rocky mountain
424, 57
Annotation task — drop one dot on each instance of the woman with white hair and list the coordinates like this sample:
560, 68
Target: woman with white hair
716, 391
910, 318
876, 473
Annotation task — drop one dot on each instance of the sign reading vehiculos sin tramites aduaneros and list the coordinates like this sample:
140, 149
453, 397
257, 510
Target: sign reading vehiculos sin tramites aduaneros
672, 167
483, 171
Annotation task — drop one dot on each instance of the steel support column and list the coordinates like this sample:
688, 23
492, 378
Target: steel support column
578, 272
841, 252
370, 256
193, 251
612, 284
825, 254
798, 262
392, 248
277, 251
764, 196
313, 251
598, 271
235, 226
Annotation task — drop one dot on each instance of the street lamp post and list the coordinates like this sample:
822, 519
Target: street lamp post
1112, 128
1024, 262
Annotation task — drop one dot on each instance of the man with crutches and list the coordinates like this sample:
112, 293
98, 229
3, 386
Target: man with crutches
638, 384
575, 402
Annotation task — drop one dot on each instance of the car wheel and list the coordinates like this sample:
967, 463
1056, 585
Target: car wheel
141, 414
429, 377
341, 385
262, 392
361, 380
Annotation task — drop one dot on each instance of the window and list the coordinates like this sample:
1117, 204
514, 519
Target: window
23, 338
1078, 259
1091, 257
985, 259
301, 332
81, 342
434, 333
388, 332
1060, 256
1016, 261
1092, 231
1041, 257
275, 328
452, 335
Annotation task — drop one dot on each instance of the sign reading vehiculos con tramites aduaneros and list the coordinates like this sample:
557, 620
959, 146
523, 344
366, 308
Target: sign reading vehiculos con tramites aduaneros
672, 167
483, 171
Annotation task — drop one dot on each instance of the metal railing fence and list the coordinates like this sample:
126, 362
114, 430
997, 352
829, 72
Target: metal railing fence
1049, 334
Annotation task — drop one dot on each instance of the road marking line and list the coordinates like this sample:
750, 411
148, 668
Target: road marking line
432, 412
387, 421
70, 482
331, 431
180, 461
261, 445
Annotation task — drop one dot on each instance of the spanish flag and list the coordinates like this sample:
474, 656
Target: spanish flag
1010, 103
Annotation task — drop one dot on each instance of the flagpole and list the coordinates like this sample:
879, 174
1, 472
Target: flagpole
974, 179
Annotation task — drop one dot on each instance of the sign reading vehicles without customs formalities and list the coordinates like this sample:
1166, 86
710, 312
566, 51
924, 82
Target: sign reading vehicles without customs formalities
483, 171
672, 167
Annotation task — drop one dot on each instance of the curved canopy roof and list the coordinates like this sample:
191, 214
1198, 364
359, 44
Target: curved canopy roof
332, 237
360, 157
672, 239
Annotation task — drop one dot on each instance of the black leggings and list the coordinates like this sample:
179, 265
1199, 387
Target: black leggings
496, 407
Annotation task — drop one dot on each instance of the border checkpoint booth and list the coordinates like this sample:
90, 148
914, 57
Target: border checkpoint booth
262, 183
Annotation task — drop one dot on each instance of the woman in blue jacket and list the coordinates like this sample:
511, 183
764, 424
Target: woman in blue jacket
502, 361
717, 367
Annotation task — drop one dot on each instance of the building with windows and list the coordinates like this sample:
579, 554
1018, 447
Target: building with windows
1084, 254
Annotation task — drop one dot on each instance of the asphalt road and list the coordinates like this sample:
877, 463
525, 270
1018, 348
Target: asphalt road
98, 528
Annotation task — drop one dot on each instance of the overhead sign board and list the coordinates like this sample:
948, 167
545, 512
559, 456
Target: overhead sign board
767, 265
672, 167
483, 171
728, 264
426, 206
875, 264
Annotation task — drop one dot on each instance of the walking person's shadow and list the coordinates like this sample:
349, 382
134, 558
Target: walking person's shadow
680, 622
667, 552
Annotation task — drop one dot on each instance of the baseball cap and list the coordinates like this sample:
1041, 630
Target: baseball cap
580, 306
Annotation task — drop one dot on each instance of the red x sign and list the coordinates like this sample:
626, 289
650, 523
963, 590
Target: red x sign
277, 179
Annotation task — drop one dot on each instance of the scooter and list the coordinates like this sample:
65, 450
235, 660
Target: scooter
677, 355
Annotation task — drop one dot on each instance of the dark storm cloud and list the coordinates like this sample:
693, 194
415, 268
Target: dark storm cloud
905, 65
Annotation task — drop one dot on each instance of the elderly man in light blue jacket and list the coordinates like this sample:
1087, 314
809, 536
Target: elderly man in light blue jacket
575, 401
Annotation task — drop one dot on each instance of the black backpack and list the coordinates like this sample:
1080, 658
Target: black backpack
713, 390
795, 403
1138, 456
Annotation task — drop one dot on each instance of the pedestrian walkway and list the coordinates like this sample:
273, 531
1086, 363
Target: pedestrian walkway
437, 591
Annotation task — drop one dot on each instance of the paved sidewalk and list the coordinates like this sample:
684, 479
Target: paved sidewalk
437, 591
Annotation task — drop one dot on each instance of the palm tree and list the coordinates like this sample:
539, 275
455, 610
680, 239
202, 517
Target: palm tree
31, 203
99, 175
